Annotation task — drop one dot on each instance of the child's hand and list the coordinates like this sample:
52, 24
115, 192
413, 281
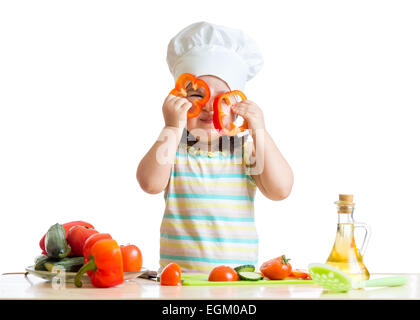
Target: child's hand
251, 113
175, 111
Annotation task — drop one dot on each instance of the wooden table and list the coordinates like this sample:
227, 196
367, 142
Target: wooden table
33, 288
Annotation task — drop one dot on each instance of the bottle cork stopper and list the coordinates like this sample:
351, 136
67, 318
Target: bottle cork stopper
345, 197
345, 203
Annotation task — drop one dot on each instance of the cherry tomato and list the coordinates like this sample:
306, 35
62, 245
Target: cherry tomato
301, 274
76, 238
276, 269
171, 275
223, 273
132, 258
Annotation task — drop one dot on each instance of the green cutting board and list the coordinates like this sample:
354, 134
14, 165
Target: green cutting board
201, 280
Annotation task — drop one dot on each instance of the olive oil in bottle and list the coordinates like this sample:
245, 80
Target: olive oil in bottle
344, 254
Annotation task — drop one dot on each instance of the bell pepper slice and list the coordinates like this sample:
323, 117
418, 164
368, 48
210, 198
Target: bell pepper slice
187, 82
218, 113
105, 260
300, 274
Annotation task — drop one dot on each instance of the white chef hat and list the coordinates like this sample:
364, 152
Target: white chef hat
208, 49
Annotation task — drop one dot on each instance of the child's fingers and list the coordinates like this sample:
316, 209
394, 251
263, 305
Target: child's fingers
170, 97
186, 106
178, 103
246, 108
242, 110
245, 103
182, 105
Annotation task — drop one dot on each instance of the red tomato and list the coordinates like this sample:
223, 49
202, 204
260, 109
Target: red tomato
171, 275
76, 238
223, 273
132, 258
276, 269
301, 274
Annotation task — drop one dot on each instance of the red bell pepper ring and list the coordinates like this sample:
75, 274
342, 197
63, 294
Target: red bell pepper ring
106, 264
218, 113
187, 82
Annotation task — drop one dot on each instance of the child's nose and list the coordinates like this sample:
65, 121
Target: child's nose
209, 105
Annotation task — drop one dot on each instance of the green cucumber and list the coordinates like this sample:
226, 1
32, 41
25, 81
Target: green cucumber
249, 275
68, 264
40, 261
246, 268
55, 242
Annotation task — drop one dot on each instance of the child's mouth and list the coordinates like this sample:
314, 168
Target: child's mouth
207, 121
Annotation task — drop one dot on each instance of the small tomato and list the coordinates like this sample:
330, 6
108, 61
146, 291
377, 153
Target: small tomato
276, 269
223, 273
171, 275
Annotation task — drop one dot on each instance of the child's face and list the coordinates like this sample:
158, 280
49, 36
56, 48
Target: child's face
203, 123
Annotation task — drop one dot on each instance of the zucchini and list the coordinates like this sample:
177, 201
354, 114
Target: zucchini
248, 275
55, 242
40, 261
246, 268
68, 264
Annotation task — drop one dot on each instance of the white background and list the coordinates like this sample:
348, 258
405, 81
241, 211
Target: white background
81, 89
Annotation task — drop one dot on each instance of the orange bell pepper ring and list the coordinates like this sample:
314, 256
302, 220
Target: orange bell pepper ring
105, 262
218, 114
187, 83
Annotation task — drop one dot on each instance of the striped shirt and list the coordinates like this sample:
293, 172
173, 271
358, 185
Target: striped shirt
209, 212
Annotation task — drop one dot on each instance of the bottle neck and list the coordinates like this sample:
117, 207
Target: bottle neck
345, 214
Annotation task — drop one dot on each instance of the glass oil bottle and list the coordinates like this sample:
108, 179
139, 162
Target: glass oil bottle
344, 254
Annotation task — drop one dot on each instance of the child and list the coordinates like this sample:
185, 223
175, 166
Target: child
209, 180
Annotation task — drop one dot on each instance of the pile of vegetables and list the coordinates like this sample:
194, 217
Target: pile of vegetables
78, 247
274, 269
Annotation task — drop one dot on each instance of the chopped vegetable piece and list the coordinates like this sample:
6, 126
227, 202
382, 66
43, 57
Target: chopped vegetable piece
188, 83
223, 273
171, 275
300, 274
218, 113
245, 267
247, 275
